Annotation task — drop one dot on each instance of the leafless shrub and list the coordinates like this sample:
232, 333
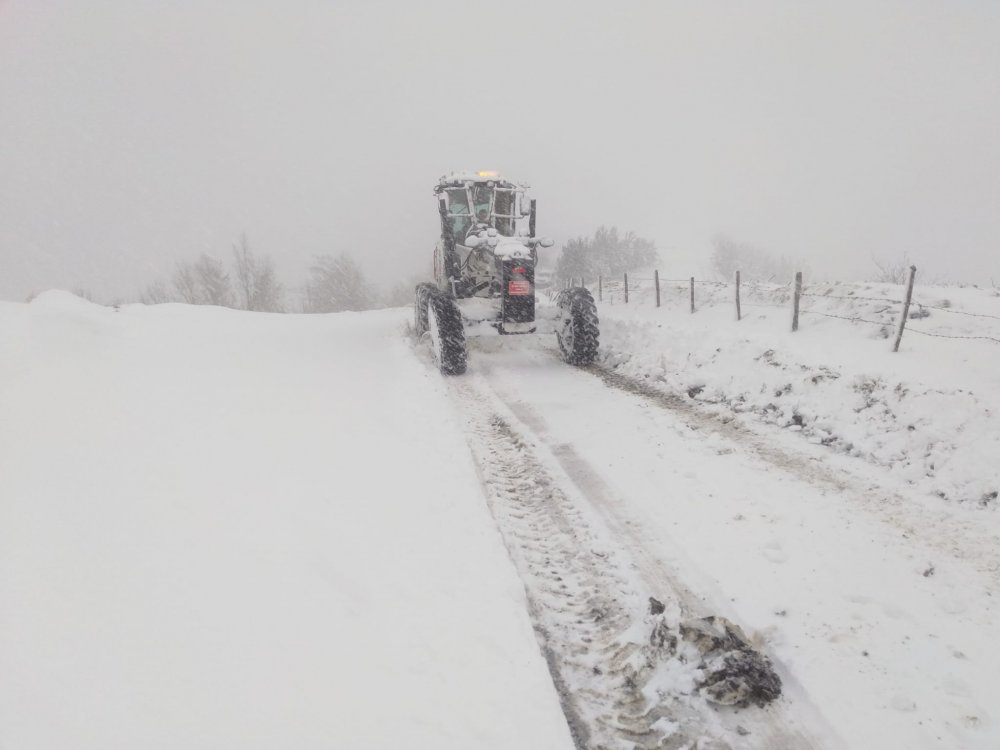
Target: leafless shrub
753, 263
337, 284
156, 293
204, 282
892, 272
257, 286
605, 254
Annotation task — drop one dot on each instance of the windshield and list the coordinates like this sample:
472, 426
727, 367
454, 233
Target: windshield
482, 197
490, 205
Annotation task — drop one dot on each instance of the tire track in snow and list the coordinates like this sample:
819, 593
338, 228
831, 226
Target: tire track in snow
959, 538
586, 586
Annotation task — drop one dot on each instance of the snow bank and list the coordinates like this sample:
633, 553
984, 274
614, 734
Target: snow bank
225, 529
927, 413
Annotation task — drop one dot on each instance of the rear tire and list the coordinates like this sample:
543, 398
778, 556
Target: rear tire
577, 329
447, 333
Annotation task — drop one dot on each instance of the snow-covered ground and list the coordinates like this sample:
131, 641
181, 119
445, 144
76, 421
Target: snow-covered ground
878, 591
927, 413
222, 528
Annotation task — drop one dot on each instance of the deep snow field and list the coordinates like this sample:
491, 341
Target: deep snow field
230, 530
223, 529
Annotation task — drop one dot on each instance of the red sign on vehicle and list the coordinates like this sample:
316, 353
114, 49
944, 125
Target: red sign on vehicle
518, 287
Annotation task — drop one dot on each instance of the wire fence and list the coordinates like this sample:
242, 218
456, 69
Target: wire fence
793, 295
854, 298
852, 318
956, 312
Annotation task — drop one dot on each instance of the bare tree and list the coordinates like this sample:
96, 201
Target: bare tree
257, 286
270, 293
214, 281
245, 266
606, 253
186, 284
204, 282
156, 293
336, 284
729, 256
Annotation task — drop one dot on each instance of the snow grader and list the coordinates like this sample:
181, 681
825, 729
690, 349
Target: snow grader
484, 275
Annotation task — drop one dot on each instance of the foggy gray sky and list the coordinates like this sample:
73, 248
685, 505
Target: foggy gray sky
136, 133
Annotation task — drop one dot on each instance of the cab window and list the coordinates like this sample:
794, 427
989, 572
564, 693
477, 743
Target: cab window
458, 211
503, 209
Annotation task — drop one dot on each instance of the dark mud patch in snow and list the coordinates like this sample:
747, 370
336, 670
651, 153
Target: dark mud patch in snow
735, 673
727, 669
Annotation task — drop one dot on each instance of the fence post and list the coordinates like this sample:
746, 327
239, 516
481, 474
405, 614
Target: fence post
795, 301
738, 315
656, 281
906, 308
600, 289
626, 289
692, 294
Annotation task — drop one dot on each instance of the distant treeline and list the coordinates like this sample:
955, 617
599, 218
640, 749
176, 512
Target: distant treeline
249, 282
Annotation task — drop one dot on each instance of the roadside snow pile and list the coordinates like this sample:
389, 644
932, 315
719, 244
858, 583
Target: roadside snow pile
927, 413
225, 529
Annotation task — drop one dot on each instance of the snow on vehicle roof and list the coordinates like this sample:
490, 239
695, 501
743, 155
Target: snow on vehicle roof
461, 178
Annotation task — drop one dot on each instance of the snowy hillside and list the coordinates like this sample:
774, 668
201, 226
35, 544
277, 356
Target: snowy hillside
223, 529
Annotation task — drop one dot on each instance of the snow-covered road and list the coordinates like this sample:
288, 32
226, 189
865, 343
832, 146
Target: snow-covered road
876, 604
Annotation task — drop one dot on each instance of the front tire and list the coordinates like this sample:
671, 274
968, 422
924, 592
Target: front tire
447, 333
577, 328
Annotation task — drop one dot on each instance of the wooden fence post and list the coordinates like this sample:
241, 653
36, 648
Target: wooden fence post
692, 294
795, 301
626, 289
738, 314
656, 281
600, 289
906, 308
